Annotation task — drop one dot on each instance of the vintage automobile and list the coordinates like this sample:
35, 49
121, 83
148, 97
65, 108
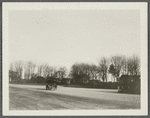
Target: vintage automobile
51, 84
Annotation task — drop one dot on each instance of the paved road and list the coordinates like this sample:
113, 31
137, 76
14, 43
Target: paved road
35, 97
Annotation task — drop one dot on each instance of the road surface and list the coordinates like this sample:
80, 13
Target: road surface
35, 97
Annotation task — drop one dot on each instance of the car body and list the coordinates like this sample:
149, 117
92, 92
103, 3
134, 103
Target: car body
51, 84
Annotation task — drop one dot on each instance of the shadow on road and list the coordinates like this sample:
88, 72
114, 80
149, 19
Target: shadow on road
41, 89
109, 91
118, 92
44, 89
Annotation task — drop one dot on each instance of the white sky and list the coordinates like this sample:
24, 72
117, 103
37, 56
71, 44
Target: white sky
63, 37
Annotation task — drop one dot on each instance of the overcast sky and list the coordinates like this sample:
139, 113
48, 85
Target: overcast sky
63, 37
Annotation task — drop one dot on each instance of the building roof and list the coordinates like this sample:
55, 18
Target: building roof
130, 77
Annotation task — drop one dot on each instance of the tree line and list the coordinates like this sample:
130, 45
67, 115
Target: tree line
27, 70
115, 65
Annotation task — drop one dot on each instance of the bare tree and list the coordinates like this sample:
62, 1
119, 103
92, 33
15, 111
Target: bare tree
125, 65
80, 72
103, 67
134, 65
18, 66
93, 71
62, 72
83, 68
33, 66
40, 70
48, 71
74, 71
12, 74
30, 69
117, 62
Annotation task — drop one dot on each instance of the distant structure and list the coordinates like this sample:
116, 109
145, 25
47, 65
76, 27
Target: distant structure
129, 84
13, 76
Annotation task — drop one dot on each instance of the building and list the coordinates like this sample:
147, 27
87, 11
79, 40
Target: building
129, 84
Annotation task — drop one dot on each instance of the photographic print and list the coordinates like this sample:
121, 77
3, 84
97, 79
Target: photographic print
75, 59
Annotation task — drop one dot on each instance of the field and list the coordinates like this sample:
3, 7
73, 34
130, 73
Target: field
35, 97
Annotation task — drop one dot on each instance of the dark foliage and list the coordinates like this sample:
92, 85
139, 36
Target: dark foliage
38, 79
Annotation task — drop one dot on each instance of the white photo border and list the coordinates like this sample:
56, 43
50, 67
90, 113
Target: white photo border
142, 6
